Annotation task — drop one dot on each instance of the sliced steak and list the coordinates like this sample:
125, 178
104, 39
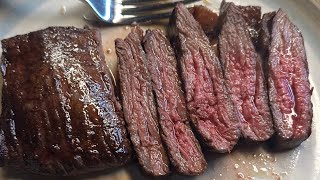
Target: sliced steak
208, 21
60, 115
211, 24
252, 16
244, 76
206, 18
265, 34
183, 148
138, 104
264, 41
289, 86
208, 102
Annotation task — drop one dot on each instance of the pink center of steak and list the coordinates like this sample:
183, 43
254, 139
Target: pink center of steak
244, 77
289, 71
208, 102
182, 145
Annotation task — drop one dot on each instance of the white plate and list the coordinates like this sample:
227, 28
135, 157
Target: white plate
303, 162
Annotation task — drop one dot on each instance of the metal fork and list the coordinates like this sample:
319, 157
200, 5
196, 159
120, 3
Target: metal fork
130, 11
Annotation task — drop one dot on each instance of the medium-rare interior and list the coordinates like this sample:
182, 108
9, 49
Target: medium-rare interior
60, 110
183, 148
60, 115
208, 102
288, 83
139, 105
243, 75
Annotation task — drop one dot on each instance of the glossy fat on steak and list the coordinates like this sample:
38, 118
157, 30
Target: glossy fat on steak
244, 76
289, 86
208, 102
139, 105
60, 115
183, 148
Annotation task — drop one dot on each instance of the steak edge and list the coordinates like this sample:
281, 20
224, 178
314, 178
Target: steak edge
288, 83
209, 105
243, 75
252, 16
139, 105
183, 148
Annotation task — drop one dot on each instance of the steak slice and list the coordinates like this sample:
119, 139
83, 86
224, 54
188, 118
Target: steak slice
60, 115
206, 18
209, 105
264, 41
252, 17
289, 86
265, 35
244, 76
183, 148
211, 23
208, 21
138, 104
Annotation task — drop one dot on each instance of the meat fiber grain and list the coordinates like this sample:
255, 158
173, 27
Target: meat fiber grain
265, 35
244, 76
288, 83
139, 105
183, 148
208, 102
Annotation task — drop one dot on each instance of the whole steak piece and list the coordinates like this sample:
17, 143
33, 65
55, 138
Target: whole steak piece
244, 75
208, 102
289, 86
60, 115
139, 105
183, 148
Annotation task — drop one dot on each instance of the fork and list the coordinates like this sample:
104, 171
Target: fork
131, 11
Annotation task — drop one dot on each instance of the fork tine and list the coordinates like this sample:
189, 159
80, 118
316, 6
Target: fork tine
136, 2
154, 7
146, 18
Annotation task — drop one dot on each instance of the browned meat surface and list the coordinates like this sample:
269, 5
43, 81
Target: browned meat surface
60, 115
183, 148
289, 86
138, 104
265, 34
208, 21
211, 24
252, 16
208, 102
206, 18
244, 76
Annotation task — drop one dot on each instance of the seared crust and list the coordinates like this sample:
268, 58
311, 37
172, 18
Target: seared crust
60, 115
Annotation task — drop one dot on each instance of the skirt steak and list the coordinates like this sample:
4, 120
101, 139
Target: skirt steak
183, 148
208, 102
60, 115
139, 105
